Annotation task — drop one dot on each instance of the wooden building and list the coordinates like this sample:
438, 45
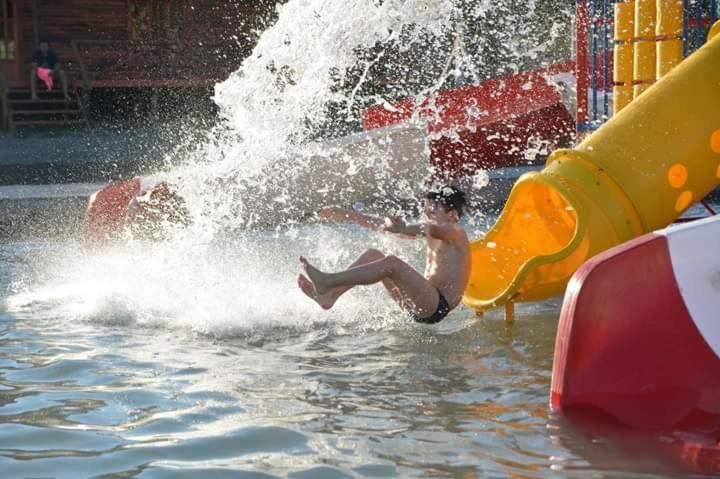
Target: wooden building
136, 44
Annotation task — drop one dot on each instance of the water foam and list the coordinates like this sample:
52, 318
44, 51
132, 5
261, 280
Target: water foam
222, 275
236, 287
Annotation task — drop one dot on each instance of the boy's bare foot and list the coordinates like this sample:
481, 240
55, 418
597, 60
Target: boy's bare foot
307, 287
34, 97
316, 276
326, 300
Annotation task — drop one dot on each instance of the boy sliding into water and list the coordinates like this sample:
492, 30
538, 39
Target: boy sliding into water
430, 297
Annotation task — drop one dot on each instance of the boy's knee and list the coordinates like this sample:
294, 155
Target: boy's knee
374, 253
392, 261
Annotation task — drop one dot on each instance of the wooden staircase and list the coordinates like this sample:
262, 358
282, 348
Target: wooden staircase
49, 110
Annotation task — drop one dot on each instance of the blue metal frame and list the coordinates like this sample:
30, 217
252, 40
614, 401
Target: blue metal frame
698, 24
582, 127
606, 80
601, 18
686, 26
593, 49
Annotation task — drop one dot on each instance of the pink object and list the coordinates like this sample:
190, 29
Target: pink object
45, 74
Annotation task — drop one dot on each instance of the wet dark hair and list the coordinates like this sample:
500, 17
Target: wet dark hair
449, 197
44, 40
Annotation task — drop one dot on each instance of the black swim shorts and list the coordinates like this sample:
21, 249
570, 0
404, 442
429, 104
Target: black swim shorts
442, 310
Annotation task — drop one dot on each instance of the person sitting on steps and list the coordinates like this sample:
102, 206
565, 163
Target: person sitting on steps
46, 58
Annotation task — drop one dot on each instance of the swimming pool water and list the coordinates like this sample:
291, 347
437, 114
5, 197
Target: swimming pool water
114, 369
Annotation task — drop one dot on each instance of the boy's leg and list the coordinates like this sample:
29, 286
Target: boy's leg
328, 298
411, 290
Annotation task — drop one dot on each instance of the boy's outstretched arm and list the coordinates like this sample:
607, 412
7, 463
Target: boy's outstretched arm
441, 231
374, 223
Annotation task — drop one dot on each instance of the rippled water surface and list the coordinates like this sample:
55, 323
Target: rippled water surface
199, 357
264, 383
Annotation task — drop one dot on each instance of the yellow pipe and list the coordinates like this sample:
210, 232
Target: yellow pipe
669, 34
636, 173
644, 42
714, 30
623, 52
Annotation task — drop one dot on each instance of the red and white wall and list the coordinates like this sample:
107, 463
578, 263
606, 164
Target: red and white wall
639, 333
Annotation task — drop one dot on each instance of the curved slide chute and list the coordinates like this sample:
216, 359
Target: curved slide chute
635, 174
638, 336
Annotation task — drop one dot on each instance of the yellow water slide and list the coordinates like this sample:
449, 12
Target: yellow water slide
637, 173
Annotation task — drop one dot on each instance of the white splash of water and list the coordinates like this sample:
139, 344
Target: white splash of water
224, 290
217, 276
270, 107
287, 80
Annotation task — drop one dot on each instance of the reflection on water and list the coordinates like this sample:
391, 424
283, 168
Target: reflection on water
86, 398
395, 402
199, 357
148, 362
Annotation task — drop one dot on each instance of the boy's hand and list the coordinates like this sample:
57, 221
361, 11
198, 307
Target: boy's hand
394, 224
333, 214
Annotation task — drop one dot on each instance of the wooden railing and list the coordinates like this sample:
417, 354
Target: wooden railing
4, 109
84, 96
87, 86
137, 64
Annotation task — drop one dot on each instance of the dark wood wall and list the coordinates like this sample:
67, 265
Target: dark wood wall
146, 42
